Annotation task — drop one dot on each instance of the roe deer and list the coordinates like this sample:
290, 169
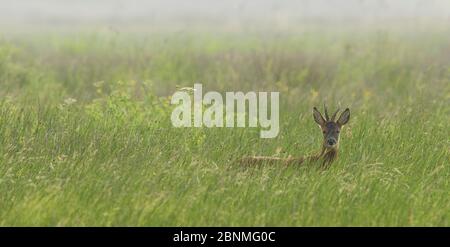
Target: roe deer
330, 129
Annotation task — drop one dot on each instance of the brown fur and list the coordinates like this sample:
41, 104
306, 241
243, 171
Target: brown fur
328, 154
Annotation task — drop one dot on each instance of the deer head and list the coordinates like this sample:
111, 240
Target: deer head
330, 126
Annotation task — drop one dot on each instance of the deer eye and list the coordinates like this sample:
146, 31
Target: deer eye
337, 131
324, 131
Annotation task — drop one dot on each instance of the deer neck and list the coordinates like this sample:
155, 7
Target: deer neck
329, 154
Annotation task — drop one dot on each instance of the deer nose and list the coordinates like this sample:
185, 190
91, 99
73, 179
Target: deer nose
331, 142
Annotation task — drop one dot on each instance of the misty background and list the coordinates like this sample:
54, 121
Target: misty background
22, 14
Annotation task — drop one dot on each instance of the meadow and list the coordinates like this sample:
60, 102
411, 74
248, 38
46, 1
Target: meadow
86, 137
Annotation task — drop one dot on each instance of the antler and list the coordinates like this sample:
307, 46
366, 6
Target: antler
326, 112
334, 115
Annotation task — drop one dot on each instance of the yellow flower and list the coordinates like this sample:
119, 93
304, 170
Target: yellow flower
367, 94
314, 95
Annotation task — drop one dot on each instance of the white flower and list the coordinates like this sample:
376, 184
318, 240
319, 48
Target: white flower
69, 101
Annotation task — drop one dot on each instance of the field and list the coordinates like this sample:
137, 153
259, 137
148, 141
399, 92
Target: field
86, 137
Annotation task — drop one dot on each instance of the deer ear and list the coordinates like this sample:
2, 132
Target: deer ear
345, 116
318, 117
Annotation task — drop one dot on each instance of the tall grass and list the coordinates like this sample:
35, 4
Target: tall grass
86, 138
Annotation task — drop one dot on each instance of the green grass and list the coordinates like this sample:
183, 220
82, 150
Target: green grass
112, 158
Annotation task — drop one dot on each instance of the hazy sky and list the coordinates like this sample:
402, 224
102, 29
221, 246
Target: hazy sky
129, 10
